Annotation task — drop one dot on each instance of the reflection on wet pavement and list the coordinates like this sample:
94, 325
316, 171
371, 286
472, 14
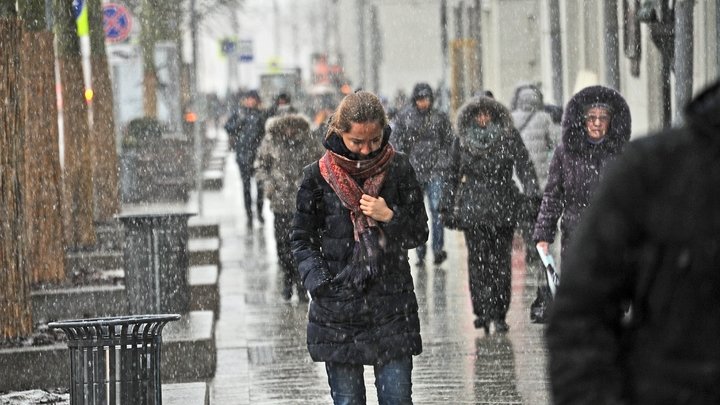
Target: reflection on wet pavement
262, 358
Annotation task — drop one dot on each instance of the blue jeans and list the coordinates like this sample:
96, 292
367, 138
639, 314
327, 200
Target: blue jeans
392, 380
433, 188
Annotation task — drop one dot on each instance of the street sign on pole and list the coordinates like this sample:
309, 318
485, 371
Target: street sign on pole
117, 22
245, 50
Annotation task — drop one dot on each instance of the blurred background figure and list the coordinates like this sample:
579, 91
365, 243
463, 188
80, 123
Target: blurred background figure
287, 147
536, 129
282, 105
596, 126
481, 198
246, 128
424, 133
650, 239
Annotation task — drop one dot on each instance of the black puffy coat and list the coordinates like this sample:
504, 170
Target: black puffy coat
425, 136
577, 165
345, 325
246, 128
479, 188
651, 237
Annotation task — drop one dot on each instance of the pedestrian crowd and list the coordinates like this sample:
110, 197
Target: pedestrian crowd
636, 225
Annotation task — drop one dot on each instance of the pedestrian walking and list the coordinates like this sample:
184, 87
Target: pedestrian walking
282, 105
246, 128
359, 209
651, 238
287, 147
596, 126
536, 129
424, 133
482, 199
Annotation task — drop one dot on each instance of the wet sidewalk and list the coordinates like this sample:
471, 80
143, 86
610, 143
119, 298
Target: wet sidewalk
262, 358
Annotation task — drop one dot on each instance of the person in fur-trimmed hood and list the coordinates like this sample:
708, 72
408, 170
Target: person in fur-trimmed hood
481, 198
596, 126
651, 238
288, 146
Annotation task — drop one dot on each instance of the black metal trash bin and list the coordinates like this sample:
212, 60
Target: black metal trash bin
156, 261
115, 360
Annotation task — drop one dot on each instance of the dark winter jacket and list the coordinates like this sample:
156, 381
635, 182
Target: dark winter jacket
287, 147
651, 238
479, 187
425, 136
246, 128
577, 164
345, 325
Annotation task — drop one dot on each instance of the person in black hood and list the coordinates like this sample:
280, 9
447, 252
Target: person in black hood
425, 134
481, 198
358, 210
650, 239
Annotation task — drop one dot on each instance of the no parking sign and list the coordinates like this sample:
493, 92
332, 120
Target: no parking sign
117, 22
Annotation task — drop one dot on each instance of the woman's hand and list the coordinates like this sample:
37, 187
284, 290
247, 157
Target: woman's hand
543, 247
376, 208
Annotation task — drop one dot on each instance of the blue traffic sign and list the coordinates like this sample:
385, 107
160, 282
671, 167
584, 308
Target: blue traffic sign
117, 22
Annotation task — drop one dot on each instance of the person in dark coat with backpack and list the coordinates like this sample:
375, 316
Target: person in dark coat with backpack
246, 128
596, 126
650, 239
358, 211
425, 134
482, 199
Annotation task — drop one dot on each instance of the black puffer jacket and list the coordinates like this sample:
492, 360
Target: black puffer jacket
479, 187
650, 237
425, 136
577, 164
345, 325
246, 128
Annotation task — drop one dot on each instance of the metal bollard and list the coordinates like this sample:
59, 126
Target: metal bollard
115, 360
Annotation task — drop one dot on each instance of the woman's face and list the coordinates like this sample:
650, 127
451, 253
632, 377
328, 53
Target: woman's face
363, 137
483, 119
597, 122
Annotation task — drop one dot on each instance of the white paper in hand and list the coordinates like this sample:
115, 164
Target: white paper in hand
553, 279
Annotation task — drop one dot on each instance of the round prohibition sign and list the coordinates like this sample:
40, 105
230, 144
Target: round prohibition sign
117, 22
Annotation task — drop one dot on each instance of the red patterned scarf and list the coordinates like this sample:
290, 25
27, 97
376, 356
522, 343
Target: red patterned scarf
340, 172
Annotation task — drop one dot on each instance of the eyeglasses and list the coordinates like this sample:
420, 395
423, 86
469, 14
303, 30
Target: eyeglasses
592, 118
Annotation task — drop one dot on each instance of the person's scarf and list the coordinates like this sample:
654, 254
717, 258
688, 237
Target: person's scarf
479, 139
340, 172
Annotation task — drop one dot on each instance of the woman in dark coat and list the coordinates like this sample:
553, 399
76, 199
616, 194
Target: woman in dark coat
595, 128
359, 209
651, 238
481, 198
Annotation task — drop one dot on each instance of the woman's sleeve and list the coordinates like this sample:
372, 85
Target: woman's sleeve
553, 201
408, 225
450, 178
305, 234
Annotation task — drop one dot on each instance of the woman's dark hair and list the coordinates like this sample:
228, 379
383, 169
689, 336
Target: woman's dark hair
358, 107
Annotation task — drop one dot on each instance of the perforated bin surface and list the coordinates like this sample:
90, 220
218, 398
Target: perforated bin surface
115, 360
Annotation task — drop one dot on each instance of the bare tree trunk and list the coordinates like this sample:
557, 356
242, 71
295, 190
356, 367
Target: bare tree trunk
45, 253
15, 310
105, 161
78, 187
43, 185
